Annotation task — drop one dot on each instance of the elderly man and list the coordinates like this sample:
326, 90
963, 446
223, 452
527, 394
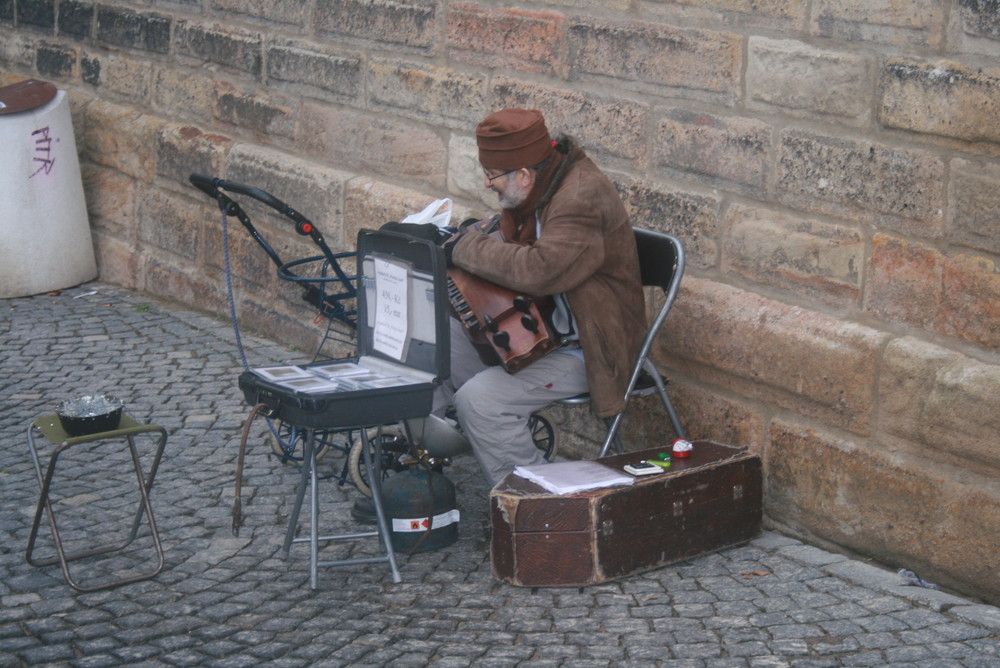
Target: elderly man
564, 233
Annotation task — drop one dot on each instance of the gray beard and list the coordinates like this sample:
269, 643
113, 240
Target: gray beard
512, 198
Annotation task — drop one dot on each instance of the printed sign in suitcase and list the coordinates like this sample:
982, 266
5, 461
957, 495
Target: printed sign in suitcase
709, 501
403, 351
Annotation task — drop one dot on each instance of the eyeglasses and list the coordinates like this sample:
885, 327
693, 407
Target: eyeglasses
491, 179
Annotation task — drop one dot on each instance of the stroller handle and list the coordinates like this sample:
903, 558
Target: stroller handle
330, 305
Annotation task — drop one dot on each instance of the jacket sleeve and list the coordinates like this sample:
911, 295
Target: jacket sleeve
570, 249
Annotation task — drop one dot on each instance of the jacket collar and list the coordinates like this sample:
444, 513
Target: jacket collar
567, 146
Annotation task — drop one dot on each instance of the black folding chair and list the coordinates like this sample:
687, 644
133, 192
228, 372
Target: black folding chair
661, 263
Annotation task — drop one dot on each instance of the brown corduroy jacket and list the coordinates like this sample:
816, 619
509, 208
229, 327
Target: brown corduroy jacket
587, 250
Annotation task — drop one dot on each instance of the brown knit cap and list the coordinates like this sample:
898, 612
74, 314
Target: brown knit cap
512, 139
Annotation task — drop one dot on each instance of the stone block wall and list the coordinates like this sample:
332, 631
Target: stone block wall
833, 167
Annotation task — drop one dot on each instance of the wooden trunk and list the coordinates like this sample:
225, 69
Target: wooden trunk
706, 502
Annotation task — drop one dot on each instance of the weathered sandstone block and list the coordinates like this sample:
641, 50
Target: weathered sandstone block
816, 365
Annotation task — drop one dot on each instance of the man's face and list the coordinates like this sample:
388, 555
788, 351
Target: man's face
512, 187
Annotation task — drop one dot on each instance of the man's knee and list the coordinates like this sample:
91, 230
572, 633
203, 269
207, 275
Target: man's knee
467, 402
481, 409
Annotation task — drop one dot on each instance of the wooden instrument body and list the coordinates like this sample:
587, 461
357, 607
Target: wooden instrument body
507, 327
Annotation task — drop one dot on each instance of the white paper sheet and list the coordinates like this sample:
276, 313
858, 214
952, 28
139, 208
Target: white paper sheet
391, 304
571, 477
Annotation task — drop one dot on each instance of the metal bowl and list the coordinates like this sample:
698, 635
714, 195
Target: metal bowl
90, 414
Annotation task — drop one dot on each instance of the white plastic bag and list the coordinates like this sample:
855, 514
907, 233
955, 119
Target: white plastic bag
431, 214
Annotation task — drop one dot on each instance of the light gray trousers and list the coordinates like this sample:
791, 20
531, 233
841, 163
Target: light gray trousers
493, 406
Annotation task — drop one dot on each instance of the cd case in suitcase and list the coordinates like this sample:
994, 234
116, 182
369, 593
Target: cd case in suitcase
403, 346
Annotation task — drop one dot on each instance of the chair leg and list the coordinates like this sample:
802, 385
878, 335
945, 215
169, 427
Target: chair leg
612, 435
373, 460
673, 417
300, 493
661, 388
669, 406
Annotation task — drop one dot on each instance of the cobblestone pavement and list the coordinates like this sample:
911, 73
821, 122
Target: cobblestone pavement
231, 601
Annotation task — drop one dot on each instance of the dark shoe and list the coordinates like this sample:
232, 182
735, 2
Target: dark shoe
364, 511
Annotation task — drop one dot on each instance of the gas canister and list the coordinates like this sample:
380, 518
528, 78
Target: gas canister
420, 510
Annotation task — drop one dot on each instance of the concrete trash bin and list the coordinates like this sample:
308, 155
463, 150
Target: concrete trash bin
45, 241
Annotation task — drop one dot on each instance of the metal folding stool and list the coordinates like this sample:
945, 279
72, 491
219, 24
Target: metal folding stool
373, 457
50, 428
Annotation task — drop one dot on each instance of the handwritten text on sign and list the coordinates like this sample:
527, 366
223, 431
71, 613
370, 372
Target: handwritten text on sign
391, 301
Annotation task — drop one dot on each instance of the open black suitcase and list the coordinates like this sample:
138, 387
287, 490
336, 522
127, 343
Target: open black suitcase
403, 346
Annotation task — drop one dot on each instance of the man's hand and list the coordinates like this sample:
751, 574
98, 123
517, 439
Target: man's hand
449, 247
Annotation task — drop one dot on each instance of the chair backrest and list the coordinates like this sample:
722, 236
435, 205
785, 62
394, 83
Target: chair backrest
661, 259
661, 263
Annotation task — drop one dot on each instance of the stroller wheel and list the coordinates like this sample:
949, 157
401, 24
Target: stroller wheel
544, 436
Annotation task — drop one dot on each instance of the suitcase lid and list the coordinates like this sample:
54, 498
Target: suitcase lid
403, 302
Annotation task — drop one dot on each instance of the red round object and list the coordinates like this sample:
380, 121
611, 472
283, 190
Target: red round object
682, 448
